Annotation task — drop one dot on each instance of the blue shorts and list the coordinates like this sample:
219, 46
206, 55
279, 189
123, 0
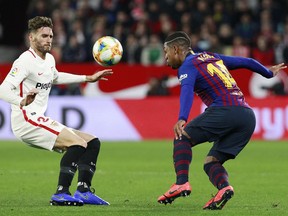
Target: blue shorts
230, 128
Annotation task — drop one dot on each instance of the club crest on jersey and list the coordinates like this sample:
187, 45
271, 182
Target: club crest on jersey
183, 76
45, 86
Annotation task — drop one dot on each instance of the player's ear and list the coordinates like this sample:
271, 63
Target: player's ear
175, 49
31, 36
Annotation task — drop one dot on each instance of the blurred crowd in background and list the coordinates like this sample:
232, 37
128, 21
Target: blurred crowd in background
249, 28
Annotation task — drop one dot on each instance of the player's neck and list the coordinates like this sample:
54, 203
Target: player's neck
40, 54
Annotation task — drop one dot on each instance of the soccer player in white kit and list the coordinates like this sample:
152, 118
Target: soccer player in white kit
33, 73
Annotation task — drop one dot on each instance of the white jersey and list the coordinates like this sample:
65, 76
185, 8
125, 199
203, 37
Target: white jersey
29, 123
30, 71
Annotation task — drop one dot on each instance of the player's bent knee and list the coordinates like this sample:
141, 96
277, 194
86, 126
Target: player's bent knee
94, 144
210, 159
219, 156
186, 135
67, 138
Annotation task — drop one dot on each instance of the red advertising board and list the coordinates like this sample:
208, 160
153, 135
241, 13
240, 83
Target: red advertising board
155, 117
150, 118
130, 76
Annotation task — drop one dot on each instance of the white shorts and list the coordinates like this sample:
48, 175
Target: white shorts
36, 130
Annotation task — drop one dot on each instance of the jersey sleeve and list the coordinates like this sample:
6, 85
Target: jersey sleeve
186, 101
67, 78
13, 79
17, 74
187, 77
8, 95
234, 62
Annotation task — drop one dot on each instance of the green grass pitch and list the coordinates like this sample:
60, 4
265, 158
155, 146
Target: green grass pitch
131, 176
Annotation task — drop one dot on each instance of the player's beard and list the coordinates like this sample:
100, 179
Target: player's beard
174, 66
42, 48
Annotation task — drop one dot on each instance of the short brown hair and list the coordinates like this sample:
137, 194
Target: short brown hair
38, 22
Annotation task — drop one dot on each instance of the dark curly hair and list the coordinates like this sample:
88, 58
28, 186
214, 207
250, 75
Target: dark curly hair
38, 22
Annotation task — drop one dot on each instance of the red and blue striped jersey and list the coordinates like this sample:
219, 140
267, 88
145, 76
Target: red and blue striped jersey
207, 74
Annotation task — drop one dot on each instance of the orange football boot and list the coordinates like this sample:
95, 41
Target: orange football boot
174, 192
220, 199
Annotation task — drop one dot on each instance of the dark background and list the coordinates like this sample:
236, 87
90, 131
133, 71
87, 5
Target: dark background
13, 18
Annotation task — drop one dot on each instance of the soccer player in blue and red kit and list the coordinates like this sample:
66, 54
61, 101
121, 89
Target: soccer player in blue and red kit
228, 121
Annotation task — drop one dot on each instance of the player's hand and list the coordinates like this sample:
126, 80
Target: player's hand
30, 97
178, 129
100, 75
277, 68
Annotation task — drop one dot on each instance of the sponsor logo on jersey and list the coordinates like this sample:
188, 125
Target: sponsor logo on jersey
45, 86
183, 76
14, 71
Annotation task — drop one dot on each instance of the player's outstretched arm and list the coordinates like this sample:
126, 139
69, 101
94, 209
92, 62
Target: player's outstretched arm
67, 78
277, 68
30, 97
100, 75
234, 62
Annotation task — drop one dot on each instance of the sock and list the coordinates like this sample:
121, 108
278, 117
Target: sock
87, 165
68, 167
182, 156
217, 174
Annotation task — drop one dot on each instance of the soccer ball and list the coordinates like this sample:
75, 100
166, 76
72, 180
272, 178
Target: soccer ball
107, 51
